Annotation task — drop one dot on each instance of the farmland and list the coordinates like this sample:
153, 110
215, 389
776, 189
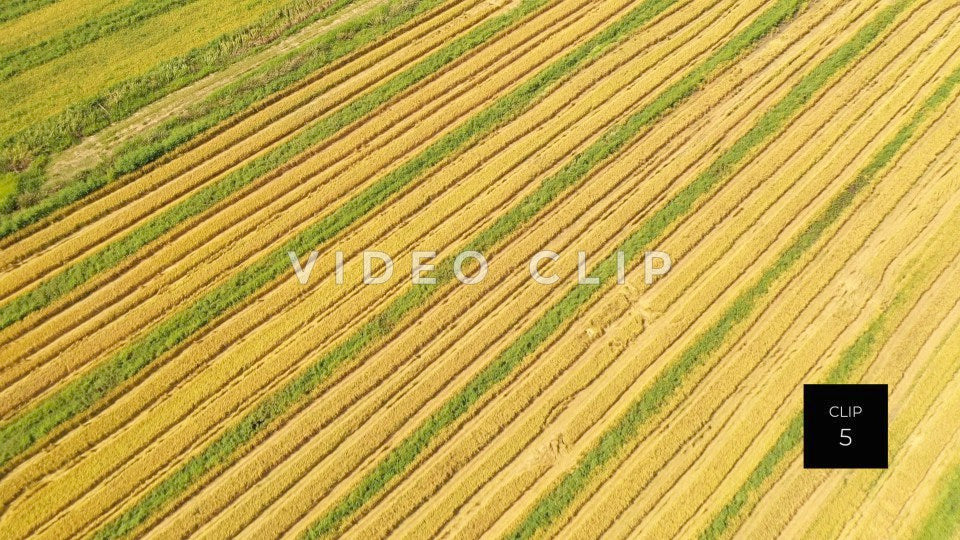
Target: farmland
164, 373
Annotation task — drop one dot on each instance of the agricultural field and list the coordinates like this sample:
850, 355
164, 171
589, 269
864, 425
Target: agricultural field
476, 268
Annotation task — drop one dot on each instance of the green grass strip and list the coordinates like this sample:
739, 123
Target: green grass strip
13, 9
79, 273
28, 152
221, 450
649, 403
943, 521
865, 344
611, 142
88, 32
23, 431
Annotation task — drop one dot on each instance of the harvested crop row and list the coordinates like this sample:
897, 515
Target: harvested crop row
194, 230
913, 281
621, 433
281, 192
592, 325
498, 368
653, 490
169, 106
88, 354
923, 314
226, 106
241, 404
835, 498
769, 457
481, 209
847, 146
789, 439
930, 513
252, 49
461, 351
242, 443
761, 515
689, 478
912, 400
597, 352
353, 71
940, 517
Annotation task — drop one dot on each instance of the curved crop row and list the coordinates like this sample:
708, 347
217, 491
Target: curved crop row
611, 442
680, 482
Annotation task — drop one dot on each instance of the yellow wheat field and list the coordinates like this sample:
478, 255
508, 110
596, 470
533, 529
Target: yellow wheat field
167, 371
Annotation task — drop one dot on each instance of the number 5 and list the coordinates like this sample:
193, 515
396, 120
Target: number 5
843, 435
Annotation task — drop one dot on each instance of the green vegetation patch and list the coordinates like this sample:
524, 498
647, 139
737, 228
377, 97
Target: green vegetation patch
27, 152
943, 521
88, 32
15, 8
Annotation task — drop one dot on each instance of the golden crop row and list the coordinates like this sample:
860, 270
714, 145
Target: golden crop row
932, 255
459, 354
732, 431
570, 343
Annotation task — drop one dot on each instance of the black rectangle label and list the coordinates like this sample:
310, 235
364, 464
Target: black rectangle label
845, 426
